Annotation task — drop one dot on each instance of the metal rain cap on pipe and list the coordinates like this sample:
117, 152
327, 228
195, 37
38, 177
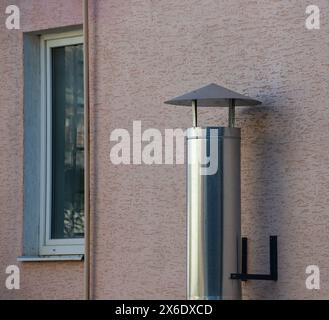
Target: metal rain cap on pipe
213, 95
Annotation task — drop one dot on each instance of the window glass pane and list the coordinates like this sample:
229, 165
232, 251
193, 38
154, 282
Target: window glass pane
67, 217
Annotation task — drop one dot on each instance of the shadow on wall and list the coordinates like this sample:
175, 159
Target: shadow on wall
262, 193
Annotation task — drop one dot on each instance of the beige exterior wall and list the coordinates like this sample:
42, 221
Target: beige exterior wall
143, 53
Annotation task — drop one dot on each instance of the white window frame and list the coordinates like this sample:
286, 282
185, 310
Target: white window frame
50, 246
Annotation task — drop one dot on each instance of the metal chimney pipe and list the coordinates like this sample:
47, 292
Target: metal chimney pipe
213, 197
213, 210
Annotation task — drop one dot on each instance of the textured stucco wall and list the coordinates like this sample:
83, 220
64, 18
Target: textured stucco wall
144, 52
148, 51
51, 280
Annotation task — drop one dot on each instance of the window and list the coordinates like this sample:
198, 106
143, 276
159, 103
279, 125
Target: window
62, 145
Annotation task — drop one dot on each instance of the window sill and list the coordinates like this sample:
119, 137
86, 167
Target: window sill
76, 257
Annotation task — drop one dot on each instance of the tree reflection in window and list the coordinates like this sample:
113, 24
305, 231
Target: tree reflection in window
67, 217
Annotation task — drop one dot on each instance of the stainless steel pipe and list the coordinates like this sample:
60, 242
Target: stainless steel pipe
214, 213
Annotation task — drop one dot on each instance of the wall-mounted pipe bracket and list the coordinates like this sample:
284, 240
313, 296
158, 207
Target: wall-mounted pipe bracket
244, 276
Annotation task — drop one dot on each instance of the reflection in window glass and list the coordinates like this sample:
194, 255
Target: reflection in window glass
67, 218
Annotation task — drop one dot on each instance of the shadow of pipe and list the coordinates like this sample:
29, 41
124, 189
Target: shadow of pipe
262, 193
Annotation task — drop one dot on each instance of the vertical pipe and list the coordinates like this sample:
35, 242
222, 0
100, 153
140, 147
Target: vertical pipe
195, 235
87, 294
195, 113
213, 213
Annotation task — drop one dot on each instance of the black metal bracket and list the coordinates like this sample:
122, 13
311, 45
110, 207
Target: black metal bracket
244, 276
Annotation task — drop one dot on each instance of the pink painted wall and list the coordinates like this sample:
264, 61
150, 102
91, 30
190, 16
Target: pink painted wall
39, 280
143, 53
